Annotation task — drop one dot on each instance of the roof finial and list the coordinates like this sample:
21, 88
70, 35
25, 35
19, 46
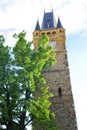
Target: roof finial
51, 8
44, 10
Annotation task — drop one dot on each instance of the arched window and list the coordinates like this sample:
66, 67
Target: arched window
53, 32
60, 91
37, 34
48, 33
43, 33
60, 30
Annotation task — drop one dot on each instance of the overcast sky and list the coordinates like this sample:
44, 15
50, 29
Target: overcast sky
18, 15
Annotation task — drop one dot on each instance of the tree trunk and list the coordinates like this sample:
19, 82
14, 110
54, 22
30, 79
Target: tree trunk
9, 126
22, 121
23, 115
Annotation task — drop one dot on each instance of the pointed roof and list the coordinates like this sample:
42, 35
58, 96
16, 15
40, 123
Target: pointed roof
37, 26
59, 25
48, 21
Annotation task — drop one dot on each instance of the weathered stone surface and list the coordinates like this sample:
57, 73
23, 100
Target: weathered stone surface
58, 78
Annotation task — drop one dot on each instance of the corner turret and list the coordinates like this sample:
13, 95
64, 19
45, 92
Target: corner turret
59, 25
37, 26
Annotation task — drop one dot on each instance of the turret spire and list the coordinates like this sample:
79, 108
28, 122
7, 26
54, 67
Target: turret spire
59, 25
37, 26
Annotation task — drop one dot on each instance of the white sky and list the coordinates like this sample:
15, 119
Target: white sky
18, 15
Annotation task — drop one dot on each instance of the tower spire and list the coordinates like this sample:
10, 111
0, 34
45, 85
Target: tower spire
37, 25
59, 24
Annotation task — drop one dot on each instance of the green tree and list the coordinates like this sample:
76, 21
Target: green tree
34, 97
8, 99
24, 94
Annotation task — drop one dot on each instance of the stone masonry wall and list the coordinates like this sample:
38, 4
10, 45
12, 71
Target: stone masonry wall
62, 106
58, 79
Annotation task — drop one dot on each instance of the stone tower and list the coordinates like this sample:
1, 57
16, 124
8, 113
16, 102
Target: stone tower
58, 77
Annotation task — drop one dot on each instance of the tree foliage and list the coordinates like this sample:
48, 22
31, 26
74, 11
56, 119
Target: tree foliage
8, 99
24, 94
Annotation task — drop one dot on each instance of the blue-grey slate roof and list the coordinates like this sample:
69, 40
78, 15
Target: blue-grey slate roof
48, 21
37, 26
59, 25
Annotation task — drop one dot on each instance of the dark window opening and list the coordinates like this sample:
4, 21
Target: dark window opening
60, 92
48, 33
53, 33
43, 33
36, 34
60, 31
65, 56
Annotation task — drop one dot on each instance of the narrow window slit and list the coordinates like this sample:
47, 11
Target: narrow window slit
60, 91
